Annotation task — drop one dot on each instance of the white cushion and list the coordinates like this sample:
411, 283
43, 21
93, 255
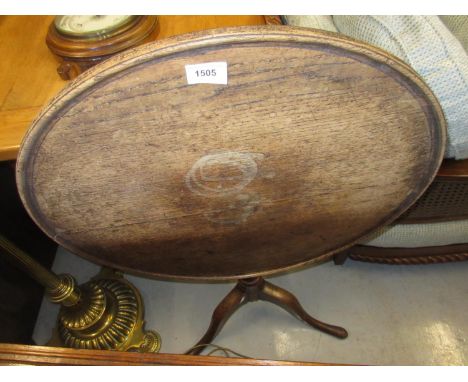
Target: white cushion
316, 22
458, 25
420, 235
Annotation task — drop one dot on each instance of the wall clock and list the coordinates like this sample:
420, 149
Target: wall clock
80, 42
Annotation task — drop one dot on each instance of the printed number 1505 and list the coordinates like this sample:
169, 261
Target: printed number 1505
206, 73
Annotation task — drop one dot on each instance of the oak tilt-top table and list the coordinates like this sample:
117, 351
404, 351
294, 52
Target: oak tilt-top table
231, 154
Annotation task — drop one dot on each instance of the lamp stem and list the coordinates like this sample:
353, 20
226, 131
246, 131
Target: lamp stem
60, 288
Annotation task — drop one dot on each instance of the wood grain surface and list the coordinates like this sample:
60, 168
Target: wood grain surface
28, 70
49, 356
315, 141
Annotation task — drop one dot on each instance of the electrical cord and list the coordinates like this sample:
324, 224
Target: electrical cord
218, 348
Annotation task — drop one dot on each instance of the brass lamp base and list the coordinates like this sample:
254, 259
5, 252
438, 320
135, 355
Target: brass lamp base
108, 316
106, 313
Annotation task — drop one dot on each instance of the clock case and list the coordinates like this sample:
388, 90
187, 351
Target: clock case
77, 54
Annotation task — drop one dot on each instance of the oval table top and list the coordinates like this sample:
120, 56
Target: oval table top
311, 142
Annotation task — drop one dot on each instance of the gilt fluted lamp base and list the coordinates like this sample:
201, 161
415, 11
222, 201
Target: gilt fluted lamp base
109, 316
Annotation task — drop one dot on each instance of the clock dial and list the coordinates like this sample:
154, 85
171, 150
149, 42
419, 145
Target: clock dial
90, 26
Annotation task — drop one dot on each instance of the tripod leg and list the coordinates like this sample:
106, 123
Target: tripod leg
340, 258
289, 302
233, 301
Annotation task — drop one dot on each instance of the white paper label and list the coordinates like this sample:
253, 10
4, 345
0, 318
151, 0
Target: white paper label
207, 73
